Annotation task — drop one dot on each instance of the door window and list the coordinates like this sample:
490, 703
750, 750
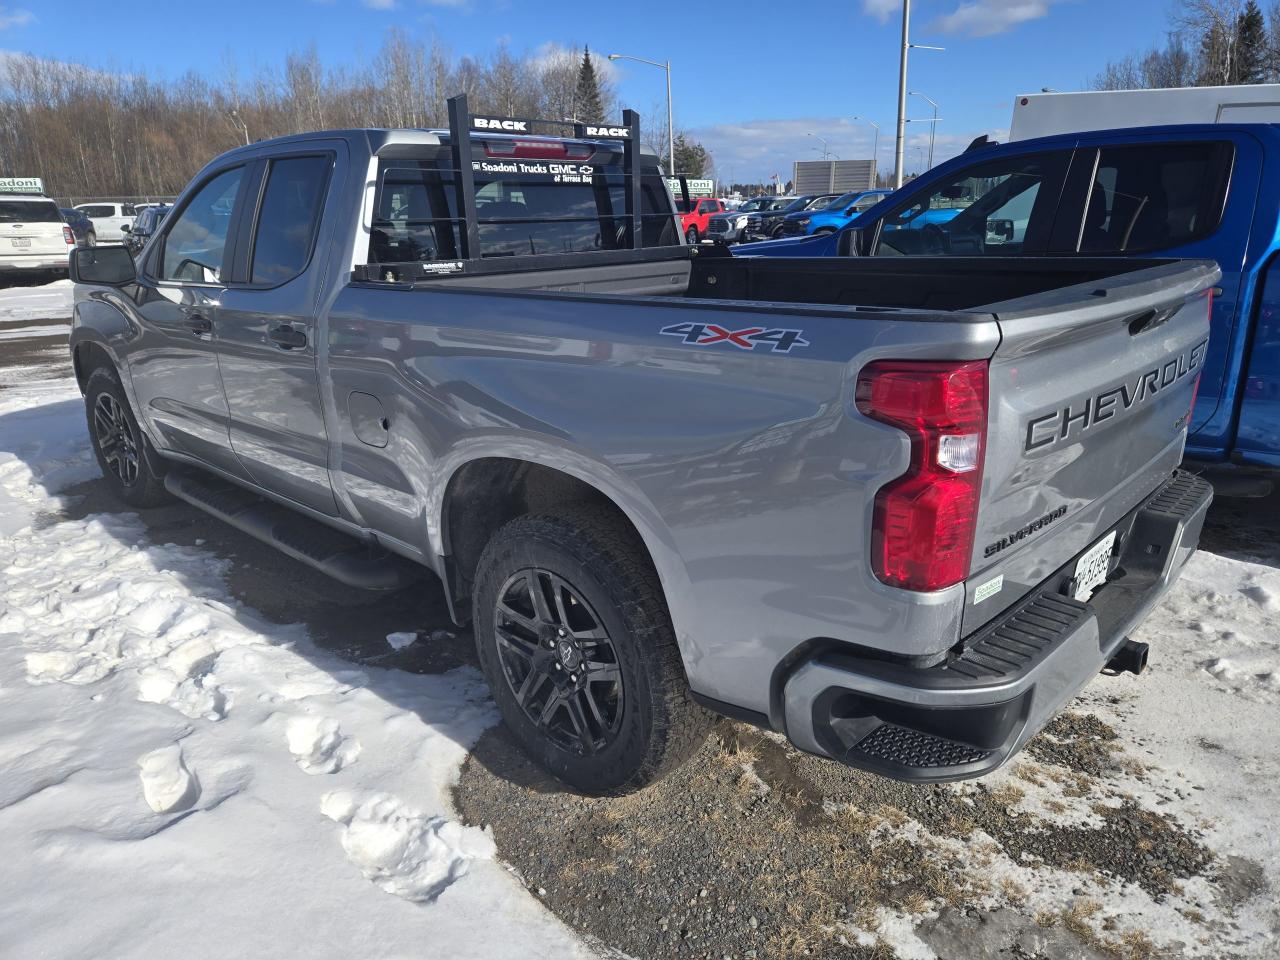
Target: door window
197, 241
289, 218
1154, 196
98, 210
1004, 207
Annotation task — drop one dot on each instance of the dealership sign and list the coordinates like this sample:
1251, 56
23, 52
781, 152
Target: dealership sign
697, 188
21, 185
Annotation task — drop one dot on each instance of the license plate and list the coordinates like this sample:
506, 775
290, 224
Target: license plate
21, 241
1092, 568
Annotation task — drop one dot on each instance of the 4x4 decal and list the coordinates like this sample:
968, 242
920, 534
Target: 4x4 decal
706, 334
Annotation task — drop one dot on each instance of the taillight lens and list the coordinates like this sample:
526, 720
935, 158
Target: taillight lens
922, 537
68, 236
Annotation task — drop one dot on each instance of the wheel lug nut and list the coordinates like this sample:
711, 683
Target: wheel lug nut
557, 666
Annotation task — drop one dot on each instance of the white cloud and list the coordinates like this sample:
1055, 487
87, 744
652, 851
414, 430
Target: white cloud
15, 18
982, 18
975, 18
553, 54
881, 9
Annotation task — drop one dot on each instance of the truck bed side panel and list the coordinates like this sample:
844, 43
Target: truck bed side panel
745, 470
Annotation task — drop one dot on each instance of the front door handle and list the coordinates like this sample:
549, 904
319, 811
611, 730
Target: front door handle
198, 324
289, 338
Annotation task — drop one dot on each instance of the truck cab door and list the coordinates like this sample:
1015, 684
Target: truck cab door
173, 367
268, 337
1188, 195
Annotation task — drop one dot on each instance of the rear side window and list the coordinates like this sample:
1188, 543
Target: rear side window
518, 213
98, 210
1155, 196
1003, 207
194, 247
288, 218
20, 211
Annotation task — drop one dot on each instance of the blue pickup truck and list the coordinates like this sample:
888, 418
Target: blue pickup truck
832, 217
1203, 190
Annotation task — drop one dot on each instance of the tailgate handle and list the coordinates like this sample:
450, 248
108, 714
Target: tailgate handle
1149, 319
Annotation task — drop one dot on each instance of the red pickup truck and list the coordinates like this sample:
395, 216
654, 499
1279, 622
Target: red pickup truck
694, 214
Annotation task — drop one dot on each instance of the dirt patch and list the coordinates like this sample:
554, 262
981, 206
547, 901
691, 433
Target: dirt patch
755, 851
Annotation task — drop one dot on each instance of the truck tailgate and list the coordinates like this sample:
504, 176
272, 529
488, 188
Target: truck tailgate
1090, 391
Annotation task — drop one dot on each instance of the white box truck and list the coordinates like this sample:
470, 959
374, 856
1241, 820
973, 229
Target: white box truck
1046, 114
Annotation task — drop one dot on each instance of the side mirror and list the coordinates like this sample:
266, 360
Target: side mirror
999, 231
106, 266
124, 228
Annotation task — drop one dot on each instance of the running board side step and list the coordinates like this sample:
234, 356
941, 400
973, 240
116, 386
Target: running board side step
348, 560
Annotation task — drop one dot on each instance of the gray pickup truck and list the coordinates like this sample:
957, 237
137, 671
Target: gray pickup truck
900, 511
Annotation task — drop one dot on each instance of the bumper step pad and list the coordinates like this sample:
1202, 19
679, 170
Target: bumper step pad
911, 748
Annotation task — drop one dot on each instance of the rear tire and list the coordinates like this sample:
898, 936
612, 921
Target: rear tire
691, 235
119, 444
91, 239
589, 679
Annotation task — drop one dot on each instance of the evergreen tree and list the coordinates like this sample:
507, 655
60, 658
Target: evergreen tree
692, 158
1249, 65
587, 102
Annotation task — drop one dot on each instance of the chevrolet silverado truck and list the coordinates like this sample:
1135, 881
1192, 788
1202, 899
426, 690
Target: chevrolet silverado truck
899, 510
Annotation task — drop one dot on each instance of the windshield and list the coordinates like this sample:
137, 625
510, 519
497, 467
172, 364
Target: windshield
785, 203
18, 211
799, 203
758, 203
844, 201
820, 203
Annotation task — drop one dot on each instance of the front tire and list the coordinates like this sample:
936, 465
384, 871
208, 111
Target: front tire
691, 235
119, 443
576, 642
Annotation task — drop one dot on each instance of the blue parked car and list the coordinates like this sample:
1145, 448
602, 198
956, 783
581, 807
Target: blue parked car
1193, 191
832, 217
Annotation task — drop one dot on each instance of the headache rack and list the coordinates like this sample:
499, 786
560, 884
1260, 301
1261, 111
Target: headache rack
464, 129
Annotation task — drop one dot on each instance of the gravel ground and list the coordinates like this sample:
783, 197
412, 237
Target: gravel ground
757, 851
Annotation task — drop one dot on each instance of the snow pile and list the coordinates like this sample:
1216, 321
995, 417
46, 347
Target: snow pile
52, 301
183, 772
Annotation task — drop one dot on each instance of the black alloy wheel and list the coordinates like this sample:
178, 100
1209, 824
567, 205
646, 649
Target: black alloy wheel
558, 660
116, 439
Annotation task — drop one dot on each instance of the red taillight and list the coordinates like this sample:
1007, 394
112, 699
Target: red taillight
922, 537
538, 149
68, 236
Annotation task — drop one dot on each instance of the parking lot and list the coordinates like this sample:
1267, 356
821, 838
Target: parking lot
1138, 824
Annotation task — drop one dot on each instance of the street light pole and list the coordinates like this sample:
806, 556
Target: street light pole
933, 129
671, 139
245, 126
902, 88
902, 94
824, 143
875, 150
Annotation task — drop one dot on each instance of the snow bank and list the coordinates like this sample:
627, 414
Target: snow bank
175, 771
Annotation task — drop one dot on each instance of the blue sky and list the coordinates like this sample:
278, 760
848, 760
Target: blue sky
750, 78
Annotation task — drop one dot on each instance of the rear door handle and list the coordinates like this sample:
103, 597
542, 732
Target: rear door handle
199, 324
289, 338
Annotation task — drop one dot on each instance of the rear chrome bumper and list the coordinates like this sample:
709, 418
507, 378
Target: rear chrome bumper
968, 715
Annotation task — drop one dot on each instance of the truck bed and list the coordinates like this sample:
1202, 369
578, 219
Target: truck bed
951, 284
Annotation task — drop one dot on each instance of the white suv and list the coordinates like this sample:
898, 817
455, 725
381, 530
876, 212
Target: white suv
33, 235
109, 219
